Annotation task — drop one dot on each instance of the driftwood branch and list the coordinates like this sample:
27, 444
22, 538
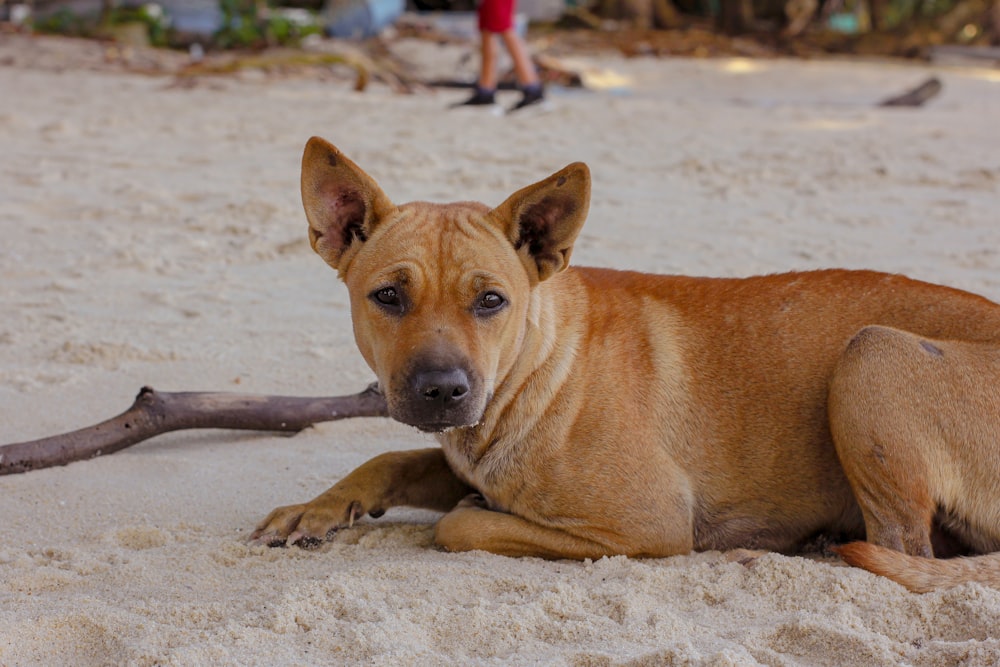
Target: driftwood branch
155, 412
916, 96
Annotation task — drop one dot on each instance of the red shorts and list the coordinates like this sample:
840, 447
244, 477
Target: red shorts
496, 15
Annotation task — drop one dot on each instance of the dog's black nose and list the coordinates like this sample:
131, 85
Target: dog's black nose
442, 387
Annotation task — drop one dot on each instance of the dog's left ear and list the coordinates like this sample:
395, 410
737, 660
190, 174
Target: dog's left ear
342, 202
543, 220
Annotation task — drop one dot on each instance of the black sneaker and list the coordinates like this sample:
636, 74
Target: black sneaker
530, 95
481, 97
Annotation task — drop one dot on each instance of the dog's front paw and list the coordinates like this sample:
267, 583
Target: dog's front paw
306, 525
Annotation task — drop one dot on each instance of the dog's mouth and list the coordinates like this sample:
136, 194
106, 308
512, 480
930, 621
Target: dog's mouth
436, 423
438, 428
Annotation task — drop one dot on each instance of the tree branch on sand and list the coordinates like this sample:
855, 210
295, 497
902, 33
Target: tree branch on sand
915, 97
155, 412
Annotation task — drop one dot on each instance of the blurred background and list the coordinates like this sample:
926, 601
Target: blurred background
968, 29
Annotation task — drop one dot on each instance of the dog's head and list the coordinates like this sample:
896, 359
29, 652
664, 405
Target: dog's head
440, 293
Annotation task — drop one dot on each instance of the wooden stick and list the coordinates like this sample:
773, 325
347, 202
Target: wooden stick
155, 412
916, 96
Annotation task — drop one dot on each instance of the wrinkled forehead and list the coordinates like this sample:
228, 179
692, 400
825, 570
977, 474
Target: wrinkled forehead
440, 221
438, 242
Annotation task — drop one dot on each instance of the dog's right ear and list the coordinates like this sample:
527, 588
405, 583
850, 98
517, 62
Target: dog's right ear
342, 202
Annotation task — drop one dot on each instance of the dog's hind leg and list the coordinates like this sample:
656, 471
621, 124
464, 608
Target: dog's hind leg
416, 478
915, 426
884, 436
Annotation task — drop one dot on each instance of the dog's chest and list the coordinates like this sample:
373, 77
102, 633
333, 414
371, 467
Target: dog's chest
483, 463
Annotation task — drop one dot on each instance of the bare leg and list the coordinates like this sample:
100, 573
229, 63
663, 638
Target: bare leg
417, 478
488, 60
524, 69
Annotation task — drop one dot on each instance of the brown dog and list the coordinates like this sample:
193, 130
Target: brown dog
586, 412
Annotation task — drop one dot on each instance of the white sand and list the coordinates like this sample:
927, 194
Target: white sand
154, 235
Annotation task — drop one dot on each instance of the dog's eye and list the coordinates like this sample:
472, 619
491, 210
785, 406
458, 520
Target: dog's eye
489, 303
388, 297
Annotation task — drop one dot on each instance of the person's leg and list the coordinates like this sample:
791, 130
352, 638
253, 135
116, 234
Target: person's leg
486, 86
524, 69
488, 60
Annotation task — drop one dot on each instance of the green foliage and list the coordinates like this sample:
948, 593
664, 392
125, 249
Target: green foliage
245, 24
282, 30
151, 15
240, 27
243, 27
64, 21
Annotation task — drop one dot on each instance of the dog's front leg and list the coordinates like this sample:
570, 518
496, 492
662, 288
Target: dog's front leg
472, 526
417, 478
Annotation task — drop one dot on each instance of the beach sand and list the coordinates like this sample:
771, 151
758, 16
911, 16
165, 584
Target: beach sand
153, 234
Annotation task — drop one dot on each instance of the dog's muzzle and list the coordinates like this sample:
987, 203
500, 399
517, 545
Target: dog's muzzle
436, 399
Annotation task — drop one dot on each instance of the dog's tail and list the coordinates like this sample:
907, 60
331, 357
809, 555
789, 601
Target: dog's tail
921, 575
